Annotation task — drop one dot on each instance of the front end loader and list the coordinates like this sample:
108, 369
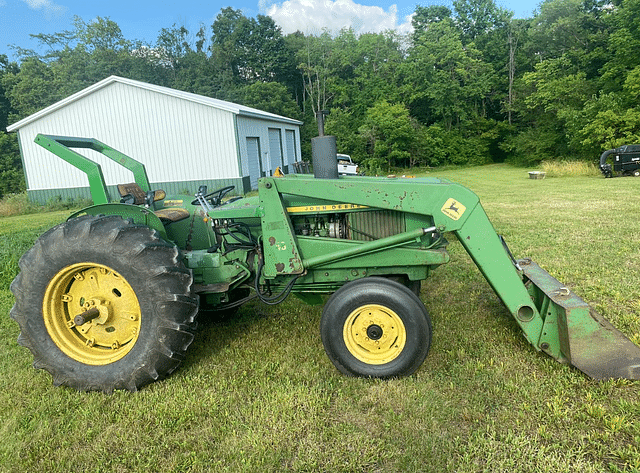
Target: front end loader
108, 299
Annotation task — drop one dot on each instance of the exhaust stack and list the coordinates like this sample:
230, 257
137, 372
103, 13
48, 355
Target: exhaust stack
324, 154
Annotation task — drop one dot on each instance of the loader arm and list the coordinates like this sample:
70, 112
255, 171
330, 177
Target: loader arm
553, 319
480, 240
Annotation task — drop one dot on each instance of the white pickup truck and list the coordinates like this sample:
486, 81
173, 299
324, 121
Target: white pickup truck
346, 165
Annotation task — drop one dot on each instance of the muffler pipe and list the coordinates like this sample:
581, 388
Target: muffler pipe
324, 157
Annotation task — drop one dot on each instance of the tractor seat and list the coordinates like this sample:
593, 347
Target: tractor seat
133, 194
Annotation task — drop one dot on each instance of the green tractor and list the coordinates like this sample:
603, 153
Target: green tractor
109, 298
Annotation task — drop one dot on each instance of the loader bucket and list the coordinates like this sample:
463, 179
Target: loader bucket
574, 333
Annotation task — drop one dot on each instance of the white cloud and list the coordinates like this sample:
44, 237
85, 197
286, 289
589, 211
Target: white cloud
48, 6
311, 16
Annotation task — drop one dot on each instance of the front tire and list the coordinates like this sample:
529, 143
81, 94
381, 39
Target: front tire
375, 327
131, 292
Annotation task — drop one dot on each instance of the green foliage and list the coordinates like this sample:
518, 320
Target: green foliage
446, 81
11, 175
531, 146
389, 136
344, 125
476, 18
442, 147
5, 106
253, 48
611, 129
19, 204
271, 97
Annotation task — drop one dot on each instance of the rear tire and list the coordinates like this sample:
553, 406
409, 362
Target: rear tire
375, 327
145, 317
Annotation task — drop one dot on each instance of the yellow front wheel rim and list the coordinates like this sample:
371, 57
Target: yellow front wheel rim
111, 311
374, 334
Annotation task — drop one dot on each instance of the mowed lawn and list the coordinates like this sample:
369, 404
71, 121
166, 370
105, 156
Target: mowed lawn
257, 392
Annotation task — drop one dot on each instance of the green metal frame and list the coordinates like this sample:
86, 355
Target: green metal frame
60, 146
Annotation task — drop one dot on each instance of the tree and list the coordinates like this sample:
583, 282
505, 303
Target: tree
575, 29
6, 67
315, 66
444, 80
253, 48
30, 89
11, 175
476, 18
389, 135
75, 60
270, 97
624, 45
425, 16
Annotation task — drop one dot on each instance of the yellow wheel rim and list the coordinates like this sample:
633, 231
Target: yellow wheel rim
374, 334
111, 313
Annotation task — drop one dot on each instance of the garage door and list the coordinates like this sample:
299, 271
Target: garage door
253, 156
275, 149
290, 138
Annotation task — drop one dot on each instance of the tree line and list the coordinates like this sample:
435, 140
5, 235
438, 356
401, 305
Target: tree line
470, 84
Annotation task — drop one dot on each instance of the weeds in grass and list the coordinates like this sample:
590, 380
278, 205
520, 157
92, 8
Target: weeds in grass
16, 204
19, 204
569, 169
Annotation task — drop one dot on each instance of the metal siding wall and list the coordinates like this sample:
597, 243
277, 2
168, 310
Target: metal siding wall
177, 140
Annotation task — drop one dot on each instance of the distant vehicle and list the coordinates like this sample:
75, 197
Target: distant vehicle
626, 160
346, 165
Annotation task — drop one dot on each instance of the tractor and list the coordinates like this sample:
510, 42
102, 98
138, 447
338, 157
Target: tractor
108, 299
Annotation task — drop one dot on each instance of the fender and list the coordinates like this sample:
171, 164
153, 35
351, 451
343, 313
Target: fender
139, 215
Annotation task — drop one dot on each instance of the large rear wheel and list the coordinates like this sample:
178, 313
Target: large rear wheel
104, 304
375, 327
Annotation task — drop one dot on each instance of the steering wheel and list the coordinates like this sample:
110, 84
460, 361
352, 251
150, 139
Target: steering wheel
215, 197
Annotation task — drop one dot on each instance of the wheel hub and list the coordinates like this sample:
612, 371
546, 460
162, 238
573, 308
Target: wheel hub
374, 334
91, 313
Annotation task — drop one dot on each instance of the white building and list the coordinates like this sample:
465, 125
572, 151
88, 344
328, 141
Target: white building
183, 139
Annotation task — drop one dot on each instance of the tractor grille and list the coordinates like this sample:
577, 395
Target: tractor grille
371, 225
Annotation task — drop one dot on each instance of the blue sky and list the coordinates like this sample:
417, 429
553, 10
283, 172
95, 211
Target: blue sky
144, 19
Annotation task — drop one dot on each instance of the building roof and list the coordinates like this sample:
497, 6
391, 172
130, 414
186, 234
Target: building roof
201, 99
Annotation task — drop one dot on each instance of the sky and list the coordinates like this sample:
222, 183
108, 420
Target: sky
143, 19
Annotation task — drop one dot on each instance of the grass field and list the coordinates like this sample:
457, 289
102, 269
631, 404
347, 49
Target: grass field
257, 393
